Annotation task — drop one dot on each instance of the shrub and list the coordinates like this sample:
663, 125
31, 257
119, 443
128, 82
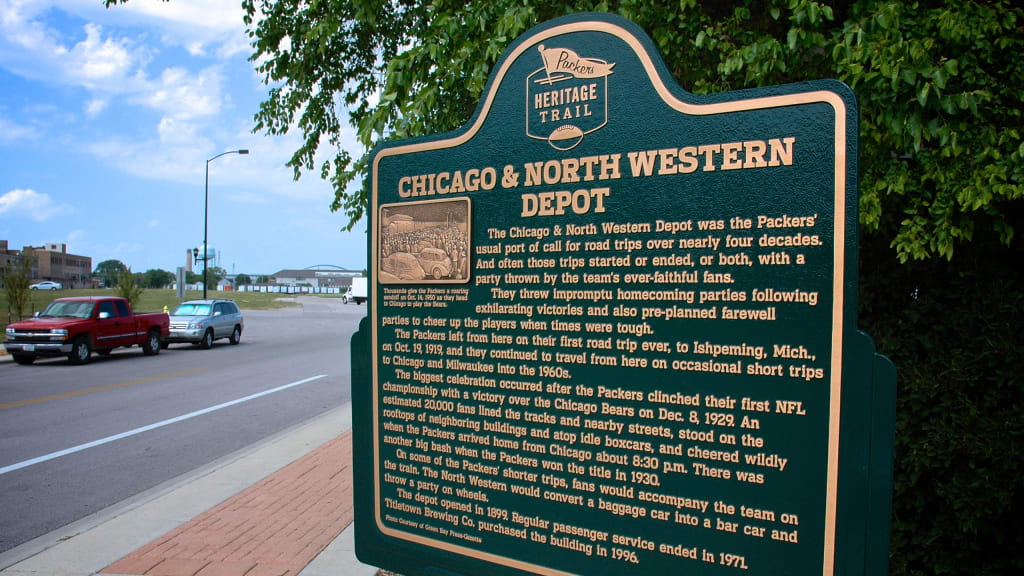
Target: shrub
128, 288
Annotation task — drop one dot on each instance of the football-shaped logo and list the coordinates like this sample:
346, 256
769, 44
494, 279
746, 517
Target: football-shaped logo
565, 137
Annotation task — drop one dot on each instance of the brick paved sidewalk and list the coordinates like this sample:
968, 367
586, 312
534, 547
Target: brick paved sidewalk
273, 528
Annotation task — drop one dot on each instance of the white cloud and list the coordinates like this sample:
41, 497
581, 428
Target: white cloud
180, 152
207, 15
74, 241
11, 133
181, 95
21, 31
26, 203
198, 26
176, 160
251, 197
177, 131
96, 59
111, 63
120, 251
95, 106
234, 44
101, 61
127, 247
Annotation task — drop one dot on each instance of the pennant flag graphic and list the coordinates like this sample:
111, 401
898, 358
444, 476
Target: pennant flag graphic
562, 63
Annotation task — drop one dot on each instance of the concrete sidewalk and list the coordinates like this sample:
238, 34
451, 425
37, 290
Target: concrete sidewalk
282, 507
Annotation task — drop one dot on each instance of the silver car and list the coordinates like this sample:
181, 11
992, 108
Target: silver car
203, 321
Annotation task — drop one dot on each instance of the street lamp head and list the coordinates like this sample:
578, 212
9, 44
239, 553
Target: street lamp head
243, 151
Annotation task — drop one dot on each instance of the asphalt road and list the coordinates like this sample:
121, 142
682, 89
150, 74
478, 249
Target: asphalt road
229, 397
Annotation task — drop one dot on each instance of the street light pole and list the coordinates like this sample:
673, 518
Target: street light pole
206, 210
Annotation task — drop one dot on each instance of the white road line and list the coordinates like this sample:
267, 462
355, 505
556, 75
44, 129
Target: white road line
108, 439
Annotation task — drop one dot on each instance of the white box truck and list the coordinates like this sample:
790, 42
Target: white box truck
356, 292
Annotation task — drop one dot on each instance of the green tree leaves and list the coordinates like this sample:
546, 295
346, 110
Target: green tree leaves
938, 83
156, 278
214, 276
319, 57
940, 120
109, 271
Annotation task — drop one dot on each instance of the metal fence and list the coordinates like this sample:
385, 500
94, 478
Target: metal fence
276, 289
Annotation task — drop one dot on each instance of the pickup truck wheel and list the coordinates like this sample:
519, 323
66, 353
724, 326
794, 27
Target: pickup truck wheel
24, 359
151, 345
207, 342
80, 350
236, 335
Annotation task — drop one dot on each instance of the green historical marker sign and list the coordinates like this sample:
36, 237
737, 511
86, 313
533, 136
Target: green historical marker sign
612, 329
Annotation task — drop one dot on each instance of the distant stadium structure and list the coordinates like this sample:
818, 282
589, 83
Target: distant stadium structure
316, 279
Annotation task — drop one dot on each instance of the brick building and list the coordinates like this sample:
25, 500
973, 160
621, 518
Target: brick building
9, 259
51, 262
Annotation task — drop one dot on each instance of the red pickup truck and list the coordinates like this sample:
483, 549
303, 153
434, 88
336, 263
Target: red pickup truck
76, 327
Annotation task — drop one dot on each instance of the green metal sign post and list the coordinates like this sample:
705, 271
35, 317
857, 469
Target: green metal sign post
612, 329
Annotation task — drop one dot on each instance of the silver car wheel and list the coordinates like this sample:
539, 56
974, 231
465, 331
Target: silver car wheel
80, 351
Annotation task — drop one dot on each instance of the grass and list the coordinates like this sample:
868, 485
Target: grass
152, 300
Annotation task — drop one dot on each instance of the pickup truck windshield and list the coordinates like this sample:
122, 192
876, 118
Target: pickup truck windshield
192, 310
68, 310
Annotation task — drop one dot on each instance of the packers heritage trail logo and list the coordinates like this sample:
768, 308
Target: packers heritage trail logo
567, 98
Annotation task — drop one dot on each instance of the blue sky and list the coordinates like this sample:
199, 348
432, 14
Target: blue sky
107, 118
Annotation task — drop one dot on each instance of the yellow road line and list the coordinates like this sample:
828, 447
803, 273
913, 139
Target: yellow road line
97, 389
